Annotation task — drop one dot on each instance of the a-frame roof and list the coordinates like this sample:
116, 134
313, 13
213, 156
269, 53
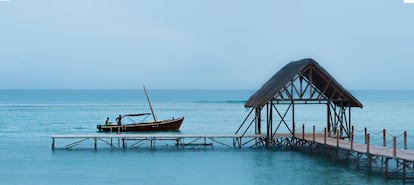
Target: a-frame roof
322, 80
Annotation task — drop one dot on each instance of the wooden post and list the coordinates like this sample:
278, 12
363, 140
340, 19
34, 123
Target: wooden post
313, 135
119, 141
352, 138
151, 142
386, 168
293, 129
53, 143
269, 123
257, 121
365, 134
95, 146
349, 115
337, 139
328, 118
384, 142
337, 144
369, 156
394, 146
240, 142
324, 136
178, 142
404, 175
303, 131
405, 140
310, 83
293, 119
367, 139
267, 141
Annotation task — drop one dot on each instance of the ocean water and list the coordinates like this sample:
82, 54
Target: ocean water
29, 117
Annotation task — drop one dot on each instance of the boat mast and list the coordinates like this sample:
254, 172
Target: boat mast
149, 102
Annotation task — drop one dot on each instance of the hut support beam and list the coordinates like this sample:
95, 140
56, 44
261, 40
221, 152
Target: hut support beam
269, 131
258, 122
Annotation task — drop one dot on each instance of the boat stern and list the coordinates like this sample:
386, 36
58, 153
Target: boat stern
99, 127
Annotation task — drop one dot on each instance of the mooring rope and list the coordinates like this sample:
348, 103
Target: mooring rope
359, 137
375, 133
357, 130
401, 143
389, 143
397, 136
376, 139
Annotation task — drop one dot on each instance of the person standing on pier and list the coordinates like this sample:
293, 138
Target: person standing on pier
118, 119
107, 121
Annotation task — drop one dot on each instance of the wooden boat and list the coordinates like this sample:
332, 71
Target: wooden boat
159, 125
155, 125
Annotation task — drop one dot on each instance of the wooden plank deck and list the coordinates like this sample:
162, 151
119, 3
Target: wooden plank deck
402, 154
403, 167
161, 136
178, 138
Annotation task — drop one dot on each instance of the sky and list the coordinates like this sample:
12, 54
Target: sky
202, 44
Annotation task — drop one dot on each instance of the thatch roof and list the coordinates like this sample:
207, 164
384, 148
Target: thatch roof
322, 80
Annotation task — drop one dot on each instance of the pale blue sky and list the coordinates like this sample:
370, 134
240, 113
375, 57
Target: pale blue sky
202, 44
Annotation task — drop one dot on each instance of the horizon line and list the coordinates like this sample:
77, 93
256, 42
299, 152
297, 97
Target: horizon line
218, 89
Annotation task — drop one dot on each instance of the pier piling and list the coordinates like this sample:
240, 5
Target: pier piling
405, 140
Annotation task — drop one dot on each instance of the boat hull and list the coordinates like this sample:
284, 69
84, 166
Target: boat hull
164, 125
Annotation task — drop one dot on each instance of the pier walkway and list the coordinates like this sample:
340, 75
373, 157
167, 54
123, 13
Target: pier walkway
209, 139
389, 152
393, 162
150, 140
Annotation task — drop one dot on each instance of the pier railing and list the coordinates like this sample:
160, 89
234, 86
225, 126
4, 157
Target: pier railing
378, 138
392, 154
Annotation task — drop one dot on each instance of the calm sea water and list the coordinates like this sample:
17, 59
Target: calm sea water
29, 117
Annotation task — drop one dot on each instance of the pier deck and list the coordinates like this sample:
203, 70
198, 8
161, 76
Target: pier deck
393, 162
377, 156
178, 139
361, 148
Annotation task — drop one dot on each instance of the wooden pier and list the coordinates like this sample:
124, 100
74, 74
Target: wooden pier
273, 108
150, 140
306, 83
392, 161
